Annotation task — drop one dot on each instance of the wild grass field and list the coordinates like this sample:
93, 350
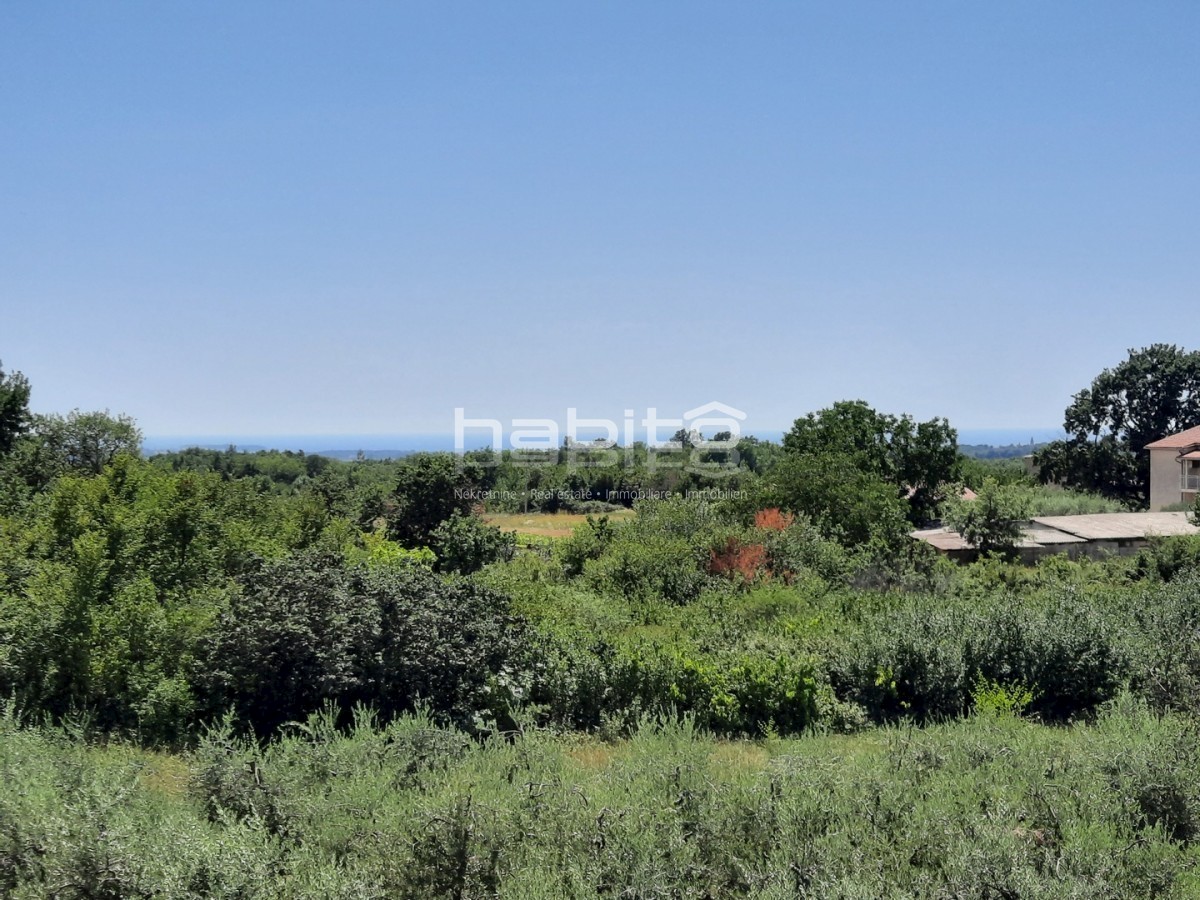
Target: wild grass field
993, 806
550, 525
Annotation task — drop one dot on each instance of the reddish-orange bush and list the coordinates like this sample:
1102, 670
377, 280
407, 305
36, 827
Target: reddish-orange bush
738, 560
773, 519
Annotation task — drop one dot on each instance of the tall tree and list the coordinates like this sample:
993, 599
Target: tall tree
841, 492
86, 441
430, 488
14, 408
916, 458
1153, 393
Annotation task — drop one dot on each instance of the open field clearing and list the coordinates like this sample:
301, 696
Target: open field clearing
553, 525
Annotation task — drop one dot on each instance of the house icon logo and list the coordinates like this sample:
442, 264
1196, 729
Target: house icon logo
715, 418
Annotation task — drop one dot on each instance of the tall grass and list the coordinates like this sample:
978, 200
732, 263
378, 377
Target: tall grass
992, 806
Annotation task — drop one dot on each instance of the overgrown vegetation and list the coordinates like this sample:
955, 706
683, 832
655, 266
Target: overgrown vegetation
277, 675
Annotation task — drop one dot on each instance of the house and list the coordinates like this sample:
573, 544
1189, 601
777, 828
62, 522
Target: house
1174, 469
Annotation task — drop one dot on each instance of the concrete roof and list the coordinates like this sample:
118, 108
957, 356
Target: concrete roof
941, 538
1032, 535
1058, 530
1120, 526
1180, 441
1035, 534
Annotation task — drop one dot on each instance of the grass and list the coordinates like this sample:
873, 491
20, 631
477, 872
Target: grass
550, 525
993, 806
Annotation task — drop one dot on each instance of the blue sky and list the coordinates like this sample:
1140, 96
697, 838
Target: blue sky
330, 218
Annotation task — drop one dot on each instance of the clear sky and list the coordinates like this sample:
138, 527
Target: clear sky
354, 217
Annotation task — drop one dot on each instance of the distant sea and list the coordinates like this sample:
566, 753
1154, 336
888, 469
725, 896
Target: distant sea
382, 446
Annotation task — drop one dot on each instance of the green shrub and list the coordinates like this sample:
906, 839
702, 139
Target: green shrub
991, 698
587, 541
1163, 640
464, 544
650, 567
307, 630
1168, 557
801, 547
613, 686
923, 658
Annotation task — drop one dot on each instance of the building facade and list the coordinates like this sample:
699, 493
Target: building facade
1174, 469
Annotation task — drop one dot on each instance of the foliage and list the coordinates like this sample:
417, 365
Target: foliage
464, 544
587, 541
1153, 393
83, 442
307, 630
991, 698
637, 568
925, 658
430, 488
119, 575
799, 547
917, 458
14, 408
610, 685
739, 561
991, 521
1168, 557
377, 551
987, 807
841, 493
1046, 500
1006, 471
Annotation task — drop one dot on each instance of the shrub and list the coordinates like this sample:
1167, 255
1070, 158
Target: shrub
992, 698
739, 561
609, 684
1168, 557
772, 519
465, 544
587, 541
924, 658
799, 546
663, 567
308, 630
992, 520
1164, 642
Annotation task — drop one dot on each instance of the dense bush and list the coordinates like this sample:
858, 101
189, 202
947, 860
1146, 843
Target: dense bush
1167, 557
308, 630
609, 686
922, 658
587, 541
635, 568
464, 544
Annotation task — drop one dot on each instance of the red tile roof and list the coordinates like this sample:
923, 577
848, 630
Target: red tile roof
1180, 441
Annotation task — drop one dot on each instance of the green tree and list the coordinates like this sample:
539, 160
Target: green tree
14, 408
430, 488
841, 492
464, 544
992, 521
81, 442
917, 458
1153, 393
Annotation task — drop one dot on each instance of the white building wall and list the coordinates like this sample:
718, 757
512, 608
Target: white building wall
1164, 479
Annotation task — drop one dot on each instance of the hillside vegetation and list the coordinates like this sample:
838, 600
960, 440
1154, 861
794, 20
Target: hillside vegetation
277, 675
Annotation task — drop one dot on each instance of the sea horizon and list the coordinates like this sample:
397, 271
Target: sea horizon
399, 444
